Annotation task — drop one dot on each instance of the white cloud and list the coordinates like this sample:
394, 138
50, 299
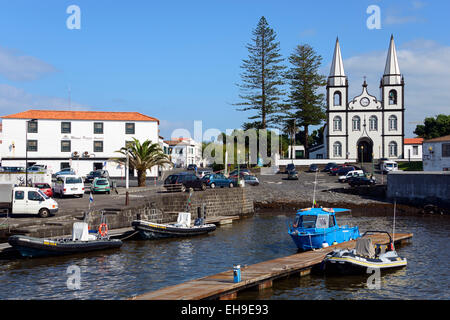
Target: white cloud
391, 19
18, 67
425, 65
14, 100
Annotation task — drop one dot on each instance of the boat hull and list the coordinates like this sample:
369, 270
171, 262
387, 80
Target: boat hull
359, 265
36, 247
149, 231
315, 240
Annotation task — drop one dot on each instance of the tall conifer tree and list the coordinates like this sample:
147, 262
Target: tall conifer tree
304, 103
262, 77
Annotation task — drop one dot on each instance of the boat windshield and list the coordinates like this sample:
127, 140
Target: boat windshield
306, 221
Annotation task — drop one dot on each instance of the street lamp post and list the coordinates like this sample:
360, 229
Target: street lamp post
26, 149
127, 174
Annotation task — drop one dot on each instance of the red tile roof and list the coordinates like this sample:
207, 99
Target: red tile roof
444, 138
413, 140
81, 115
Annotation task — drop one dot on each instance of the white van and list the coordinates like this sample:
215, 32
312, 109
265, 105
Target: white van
69, 185
388, 166
354, 173
26, 200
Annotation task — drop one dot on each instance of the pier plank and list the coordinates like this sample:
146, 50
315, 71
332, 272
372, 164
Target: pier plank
221, 285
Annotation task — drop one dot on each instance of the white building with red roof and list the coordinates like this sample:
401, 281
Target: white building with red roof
413, 149
82, 140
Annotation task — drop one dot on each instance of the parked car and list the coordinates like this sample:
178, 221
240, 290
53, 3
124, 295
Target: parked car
101, 185
183, 181
361, 181
292, 175
290, 167
12, 169
344, 170
36, 169
353, 173
335, 169
45, 188
68, 185
201, 174
97, 174
313, 168
192, 167
388, 166
329, 166
251, 180
217, 180
66, 171
241, 171
26, 200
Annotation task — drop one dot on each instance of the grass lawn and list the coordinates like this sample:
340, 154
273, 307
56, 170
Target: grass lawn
411, 166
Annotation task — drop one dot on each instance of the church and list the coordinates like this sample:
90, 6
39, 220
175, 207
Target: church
364, 128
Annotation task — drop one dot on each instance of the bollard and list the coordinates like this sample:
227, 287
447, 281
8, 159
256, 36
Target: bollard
204, 210
237, 273
126, 199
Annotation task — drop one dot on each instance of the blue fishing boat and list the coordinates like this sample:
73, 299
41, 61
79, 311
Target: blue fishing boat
316, 228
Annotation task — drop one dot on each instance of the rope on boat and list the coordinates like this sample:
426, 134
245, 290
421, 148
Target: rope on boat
129, 236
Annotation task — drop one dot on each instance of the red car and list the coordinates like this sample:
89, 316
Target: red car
334, 170
45, 188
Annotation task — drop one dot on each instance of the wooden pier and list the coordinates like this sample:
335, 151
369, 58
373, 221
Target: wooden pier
261, 275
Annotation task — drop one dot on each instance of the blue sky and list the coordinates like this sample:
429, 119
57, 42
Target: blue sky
179, 61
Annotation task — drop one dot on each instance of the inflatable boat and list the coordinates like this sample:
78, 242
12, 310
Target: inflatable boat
182, 228
80, 242
364, 256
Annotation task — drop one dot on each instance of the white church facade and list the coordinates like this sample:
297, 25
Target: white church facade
365, 128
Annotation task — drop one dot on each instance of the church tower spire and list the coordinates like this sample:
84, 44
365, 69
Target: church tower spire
392, 74
337, 74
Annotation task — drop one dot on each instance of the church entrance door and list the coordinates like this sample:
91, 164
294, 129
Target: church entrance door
365, 150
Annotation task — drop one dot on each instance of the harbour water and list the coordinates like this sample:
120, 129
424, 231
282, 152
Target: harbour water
142, 266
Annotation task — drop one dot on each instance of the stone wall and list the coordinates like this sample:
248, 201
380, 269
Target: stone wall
420, 188
164, 207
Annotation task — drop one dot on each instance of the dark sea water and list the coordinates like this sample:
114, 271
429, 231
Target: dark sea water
142, 266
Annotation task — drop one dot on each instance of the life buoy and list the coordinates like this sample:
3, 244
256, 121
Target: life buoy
103, 229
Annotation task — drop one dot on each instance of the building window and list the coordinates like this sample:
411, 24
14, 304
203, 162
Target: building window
337, 123
392, 123
98, 127
392, 97
129, 128
337, 149
64, 165
32, 145
373, 123
98, 146
356, 123
337, 99
65, 146
32, 126
415, 150
446, 150
392, 149
66, 127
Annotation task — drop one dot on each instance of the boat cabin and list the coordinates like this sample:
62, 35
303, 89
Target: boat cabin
316, 218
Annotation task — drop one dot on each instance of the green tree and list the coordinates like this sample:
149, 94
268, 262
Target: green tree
305, 103
262, 77
143, 157
434, 127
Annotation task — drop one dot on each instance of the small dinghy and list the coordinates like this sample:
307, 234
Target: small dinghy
364, 256
80, 242
182, 228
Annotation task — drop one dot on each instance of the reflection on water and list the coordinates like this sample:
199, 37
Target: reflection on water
143, 266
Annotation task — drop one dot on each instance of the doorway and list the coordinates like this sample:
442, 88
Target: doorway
365, 150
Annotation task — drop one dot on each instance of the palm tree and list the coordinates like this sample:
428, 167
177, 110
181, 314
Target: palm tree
143, 157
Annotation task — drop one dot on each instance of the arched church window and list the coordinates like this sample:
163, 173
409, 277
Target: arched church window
392, 123
337, 149
392, 97
337, 123
356, 123
373, 123
337, 99
392, 149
